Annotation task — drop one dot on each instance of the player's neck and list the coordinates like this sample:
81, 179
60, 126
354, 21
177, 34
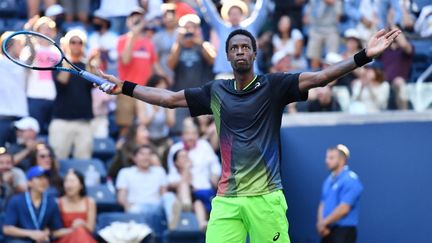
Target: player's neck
243, 79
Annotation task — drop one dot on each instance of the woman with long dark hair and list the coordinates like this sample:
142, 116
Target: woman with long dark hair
78, 211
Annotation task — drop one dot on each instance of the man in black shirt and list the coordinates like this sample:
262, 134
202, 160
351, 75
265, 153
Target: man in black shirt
247, 112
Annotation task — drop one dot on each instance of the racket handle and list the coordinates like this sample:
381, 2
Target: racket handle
93, 78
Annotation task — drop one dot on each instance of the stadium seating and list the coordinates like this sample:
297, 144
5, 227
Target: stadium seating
105, 199
422, 57
104, 149
82, 166
187, 231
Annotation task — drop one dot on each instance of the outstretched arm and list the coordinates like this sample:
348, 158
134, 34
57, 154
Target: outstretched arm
155, 96
376, 45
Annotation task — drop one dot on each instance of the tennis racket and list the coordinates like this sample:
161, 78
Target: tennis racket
27, 56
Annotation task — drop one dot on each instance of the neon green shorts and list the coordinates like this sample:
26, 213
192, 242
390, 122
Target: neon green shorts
263, 217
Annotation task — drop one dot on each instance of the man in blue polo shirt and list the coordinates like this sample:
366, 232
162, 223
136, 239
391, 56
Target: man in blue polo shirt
338, 211
32, 216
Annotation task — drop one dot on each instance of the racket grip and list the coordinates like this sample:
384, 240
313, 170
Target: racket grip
93, 78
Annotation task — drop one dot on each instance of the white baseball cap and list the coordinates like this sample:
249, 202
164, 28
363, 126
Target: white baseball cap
54, 10
27, 123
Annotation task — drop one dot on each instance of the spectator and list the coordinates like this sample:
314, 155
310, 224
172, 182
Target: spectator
57, 14
165, 39
136, 63
138, 135
181, 8
103, 41
12, 179
119, 13
292, 8
32, 216
76, 10
13, 103
41, 90
324, 101
78, 211
70, 128
389, 13
234, 16
322, 18
183, 186
152, 8
205, 168
27, 130
397, 61
142, 188
208, 131
371, 92
34, 6
288, 41
338, 211
44, 157
191, 58
157, 119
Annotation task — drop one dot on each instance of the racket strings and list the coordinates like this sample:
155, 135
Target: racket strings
33, 51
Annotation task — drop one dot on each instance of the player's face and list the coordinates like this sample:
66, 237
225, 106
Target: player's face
332, 159
241, 54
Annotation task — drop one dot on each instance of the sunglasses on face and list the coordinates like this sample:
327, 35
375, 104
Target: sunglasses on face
74, 42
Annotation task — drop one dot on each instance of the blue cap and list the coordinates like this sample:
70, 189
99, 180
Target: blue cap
36, 171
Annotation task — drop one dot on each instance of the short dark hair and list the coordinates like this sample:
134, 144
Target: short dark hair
138, 148
155, 79
241, 32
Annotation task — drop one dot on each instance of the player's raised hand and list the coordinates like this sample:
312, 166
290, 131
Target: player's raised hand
108, 87
380, 41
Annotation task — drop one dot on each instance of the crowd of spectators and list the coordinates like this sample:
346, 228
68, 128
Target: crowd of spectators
166, 162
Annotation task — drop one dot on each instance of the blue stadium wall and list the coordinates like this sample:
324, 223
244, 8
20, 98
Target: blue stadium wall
394, 163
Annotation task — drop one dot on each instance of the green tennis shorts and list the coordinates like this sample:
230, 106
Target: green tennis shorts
263, 217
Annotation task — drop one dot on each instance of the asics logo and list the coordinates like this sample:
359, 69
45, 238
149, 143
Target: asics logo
276, 237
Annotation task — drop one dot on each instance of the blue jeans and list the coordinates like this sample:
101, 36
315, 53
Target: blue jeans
41, 110
7, 133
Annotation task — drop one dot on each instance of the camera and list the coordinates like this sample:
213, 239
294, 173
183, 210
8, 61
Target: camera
188, 35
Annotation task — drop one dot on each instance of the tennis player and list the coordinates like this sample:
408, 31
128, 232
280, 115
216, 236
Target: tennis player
248, 111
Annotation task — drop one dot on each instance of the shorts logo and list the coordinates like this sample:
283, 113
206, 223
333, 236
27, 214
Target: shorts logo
276, 237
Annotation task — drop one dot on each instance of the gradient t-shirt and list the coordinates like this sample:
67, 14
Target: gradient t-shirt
248, 123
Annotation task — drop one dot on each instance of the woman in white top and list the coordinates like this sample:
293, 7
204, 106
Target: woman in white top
288, 42
157, 119
371, 92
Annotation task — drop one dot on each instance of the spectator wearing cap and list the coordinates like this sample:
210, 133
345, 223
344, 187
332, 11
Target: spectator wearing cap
27, 130
102, 41
70, 129
338, 211
233, 16
322, 18
57, 14
13, 103
370, 93
32, 216
324, 102
138, 60
12, 179
191, 58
